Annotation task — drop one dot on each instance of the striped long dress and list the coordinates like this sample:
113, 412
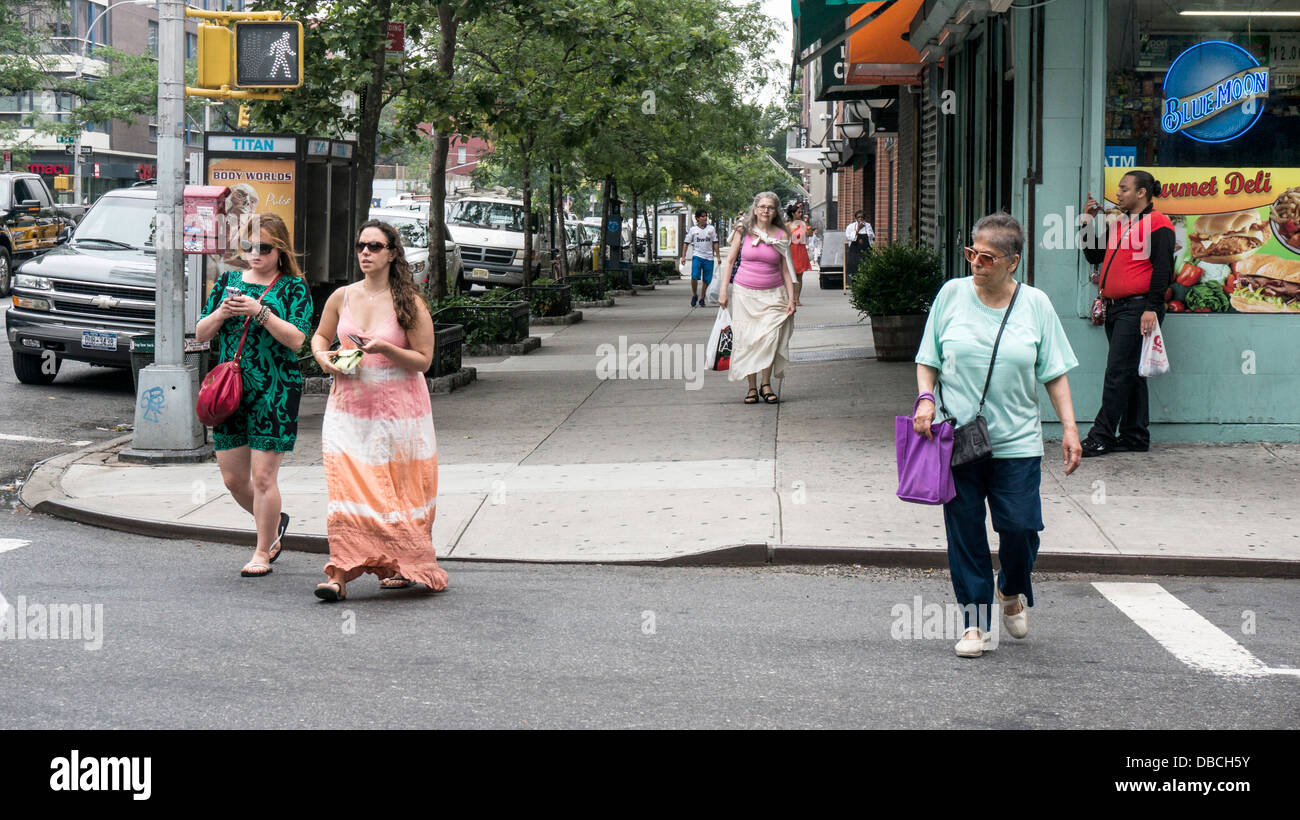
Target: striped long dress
381, 466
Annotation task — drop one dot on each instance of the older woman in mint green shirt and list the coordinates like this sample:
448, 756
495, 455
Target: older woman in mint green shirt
954, 358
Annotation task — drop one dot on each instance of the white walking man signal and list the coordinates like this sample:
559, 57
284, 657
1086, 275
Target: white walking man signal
281, 51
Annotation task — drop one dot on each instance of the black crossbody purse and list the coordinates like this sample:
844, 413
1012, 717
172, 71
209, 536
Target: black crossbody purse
971, 441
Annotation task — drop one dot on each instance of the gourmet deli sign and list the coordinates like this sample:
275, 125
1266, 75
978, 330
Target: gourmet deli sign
1213, 92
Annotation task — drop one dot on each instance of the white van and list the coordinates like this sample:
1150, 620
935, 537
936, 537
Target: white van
489, 230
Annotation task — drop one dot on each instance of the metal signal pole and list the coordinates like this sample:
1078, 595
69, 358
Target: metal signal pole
166, 427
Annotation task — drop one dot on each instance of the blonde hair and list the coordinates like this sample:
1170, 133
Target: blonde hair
275, 232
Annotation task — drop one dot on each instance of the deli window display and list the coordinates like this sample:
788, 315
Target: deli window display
1210, 105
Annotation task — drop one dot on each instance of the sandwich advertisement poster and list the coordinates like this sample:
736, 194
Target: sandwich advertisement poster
1237, 237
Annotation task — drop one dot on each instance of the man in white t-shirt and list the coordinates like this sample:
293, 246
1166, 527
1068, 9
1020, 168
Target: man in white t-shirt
702, 238
860, 224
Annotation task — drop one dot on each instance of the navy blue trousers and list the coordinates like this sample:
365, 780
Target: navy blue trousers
1010, 487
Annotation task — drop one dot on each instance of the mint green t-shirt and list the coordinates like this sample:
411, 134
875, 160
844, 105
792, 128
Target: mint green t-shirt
958, 342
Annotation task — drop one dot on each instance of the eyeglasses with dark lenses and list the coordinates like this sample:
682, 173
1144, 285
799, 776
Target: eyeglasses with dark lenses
263, 248
373, 247
984, 257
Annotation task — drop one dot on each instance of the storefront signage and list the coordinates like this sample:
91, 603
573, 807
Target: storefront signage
1236, 236
1121, 156
48, 169
253, 145
1214, 92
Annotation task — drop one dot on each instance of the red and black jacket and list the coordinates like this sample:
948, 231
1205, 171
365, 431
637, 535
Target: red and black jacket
1142, 263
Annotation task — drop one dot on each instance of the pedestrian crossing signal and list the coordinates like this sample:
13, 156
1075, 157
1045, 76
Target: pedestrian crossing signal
268, 54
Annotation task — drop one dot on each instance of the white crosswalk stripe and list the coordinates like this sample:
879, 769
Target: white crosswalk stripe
39, 440
7, 544
1187, 634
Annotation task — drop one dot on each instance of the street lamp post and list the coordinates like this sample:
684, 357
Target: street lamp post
81, 66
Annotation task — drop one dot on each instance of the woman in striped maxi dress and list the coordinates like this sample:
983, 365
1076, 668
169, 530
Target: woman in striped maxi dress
381, 457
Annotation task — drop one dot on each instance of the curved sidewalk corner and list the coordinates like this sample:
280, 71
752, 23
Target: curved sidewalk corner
562, 455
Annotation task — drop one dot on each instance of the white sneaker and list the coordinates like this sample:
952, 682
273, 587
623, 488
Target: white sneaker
1017, 625
974, 647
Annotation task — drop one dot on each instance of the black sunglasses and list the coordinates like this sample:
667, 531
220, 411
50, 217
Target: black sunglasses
373, 247
263, 248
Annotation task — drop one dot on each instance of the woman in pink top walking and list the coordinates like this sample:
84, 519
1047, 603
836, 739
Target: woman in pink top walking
762, 313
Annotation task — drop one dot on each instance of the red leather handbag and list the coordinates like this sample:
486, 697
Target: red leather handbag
223, 389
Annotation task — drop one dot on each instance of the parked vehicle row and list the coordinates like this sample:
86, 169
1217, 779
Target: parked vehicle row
413, 226
86, 299
31, 223
85, 291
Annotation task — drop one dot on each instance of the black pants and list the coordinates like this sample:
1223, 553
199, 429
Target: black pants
1124, 392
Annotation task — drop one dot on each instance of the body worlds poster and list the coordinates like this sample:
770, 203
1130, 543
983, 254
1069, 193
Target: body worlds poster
257, 187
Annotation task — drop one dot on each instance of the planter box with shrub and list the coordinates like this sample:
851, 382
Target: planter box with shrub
492, 319
546, 298
448, 340
895, 285
587, 287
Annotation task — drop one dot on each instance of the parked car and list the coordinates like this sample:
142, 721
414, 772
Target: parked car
88, 298
490, 233
31, 223
413, 225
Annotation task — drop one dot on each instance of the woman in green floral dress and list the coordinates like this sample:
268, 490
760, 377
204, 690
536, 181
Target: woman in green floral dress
251, 443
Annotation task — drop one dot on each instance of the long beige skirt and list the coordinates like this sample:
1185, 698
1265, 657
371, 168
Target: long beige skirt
760, 331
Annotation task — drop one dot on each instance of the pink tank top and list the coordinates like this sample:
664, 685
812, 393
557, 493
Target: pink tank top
760, 266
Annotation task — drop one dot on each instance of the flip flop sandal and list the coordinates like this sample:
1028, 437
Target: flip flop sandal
330, 591
251, 566
277, 546
396, 582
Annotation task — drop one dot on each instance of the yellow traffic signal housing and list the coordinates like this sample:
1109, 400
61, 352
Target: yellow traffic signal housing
216, 56
244, 118
268, 54
63, 182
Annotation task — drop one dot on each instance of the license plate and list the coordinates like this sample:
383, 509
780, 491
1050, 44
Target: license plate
482, 272
96, 340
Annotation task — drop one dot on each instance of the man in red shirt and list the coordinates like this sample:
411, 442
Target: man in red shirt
1137, 259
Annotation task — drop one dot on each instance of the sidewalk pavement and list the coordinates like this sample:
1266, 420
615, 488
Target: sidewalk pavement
543, 460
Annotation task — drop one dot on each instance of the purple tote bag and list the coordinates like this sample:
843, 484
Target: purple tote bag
924, 465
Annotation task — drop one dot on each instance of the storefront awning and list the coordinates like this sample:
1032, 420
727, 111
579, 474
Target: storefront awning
805, 157
820, 20
876, 54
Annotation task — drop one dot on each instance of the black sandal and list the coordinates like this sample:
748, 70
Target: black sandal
770, 395
751, 397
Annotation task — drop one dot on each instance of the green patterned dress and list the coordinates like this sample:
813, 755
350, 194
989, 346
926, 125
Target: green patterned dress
267, 418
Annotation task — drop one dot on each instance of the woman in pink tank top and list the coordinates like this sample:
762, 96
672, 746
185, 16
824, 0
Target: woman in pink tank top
380, 452
762, 303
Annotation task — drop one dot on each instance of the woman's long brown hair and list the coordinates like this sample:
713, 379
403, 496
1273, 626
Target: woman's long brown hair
401, 283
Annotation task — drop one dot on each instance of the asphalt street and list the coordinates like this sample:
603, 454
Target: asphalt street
85, 404
186, 643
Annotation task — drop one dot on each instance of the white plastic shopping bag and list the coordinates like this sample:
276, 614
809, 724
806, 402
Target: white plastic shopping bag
1155, 360
717, 355
715, 284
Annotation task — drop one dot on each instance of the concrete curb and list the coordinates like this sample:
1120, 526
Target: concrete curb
595, 303
570, 318
517, 349
43, 493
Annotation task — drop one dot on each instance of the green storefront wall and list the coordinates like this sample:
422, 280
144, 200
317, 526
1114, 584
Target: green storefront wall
1234, 377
